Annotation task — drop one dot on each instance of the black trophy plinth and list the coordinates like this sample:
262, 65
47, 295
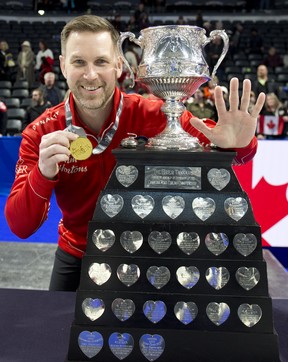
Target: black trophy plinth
174, 267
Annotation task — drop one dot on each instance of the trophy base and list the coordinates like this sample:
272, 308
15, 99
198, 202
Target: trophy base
171, 141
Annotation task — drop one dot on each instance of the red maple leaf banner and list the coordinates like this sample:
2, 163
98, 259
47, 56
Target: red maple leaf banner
265, 180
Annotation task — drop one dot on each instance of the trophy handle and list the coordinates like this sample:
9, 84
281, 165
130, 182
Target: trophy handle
214, 34
132, 38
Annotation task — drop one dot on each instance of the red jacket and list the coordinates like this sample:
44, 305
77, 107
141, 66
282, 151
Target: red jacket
79, 182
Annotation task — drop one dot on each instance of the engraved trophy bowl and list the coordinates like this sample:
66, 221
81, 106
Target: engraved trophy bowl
173, 67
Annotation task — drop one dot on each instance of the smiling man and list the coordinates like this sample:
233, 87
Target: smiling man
68, 148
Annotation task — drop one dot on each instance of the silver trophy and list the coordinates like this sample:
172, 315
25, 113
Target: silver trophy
173, 67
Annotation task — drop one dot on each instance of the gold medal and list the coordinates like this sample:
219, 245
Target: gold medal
81, 148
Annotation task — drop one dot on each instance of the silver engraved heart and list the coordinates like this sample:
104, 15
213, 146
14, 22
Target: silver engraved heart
123, 309
173, 205
121, 345
216, 243
131, 241
152, 346
218, 313
249, 314
111, 204
126, 175
218, 178
188, 276
186, 312
188, 242
103, 239
245, 244
236, 207
247, 277
217, 277
90, 343
128, 274
159, 241
93, 308
154, 310
203, 207
158, 276
142, 205
99, 273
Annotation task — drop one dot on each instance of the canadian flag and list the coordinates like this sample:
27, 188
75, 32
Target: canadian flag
270, 125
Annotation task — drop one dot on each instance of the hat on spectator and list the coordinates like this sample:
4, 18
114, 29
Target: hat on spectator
26, 43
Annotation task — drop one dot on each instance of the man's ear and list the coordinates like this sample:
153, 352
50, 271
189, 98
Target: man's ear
62, 65
119, 67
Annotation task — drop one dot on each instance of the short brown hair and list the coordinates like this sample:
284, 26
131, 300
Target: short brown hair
90, 23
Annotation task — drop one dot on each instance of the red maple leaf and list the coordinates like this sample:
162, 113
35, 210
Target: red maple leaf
268, 202
271, 124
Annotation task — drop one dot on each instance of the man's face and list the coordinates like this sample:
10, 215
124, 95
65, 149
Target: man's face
91, 67
36, 98
262, 71
49, 80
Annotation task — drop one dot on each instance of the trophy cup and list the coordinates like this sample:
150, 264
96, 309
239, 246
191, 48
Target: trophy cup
173, 267
173, 67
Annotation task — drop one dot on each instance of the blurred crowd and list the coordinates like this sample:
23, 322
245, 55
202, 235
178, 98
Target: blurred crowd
39, 68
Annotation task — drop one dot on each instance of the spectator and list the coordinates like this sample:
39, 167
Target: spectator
277, 125
144, 21
118, 23
51, 93
273, 59
44, 60
38, 107
139, 12
132, 24
235, 40
255, 43
7, 64
264, 83
3, 118
26, 63
201, 107
199, 21
180, 20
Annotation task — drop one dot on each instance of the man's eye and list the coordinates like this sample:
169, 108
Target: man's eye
101, 62
78, 62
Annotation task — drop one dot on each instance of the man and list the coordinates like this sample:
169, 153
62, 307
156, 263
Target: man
91, 65
201, 107
51, 93
37, 108
263, 83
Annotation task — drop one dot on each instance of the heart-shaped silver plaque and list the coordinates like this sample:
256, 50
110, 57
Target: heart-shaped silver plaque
103, 239
173, 205
123, 309
154, 310
152, 346
99, 273
245, 244
218, 178
128, 274
158, 276
126, 175
218, 313
248, 278
131, 241
90, 343
159, 241
216, 243
142, 205
186, 312
249, 314
188, 276
188, 242
93, 308
217, 277
236, 207
111, 204
121, 344
203, 207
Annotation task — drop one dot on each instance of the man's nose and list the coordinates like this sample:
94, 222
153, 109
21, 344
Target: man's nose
91, 72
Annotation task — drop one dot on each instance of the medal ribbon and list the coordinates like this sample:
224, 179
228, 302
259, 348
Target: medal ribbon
105, 140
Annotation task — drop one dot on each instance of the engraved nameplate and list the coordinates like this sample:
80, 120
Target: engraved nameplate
160, 177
